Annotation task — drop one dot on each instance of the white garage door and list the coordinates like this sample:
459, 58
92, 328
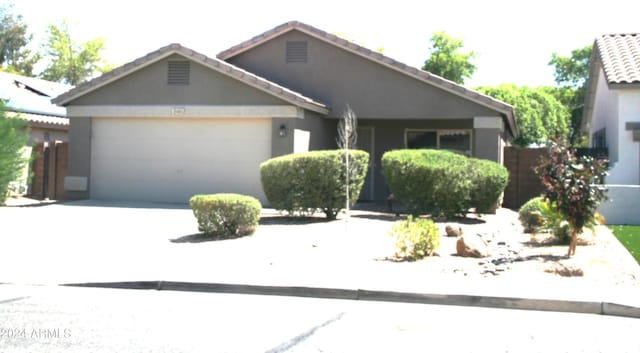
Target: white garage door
169, 160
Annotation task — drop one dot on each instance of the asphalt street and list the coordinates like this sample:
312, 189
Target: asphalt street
69, 319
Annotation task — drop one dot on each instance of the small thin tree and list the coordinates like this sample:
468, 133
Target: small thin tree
347, 138
572, 184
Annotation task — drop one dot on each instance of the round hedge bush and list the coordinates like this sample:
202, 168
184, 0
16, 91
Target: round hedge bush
420, 180
489, 179
226, 215
441, 182
301, 183
531, 214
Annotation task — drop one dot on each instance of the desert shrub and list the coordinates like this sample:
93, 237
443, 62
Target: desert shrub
301, 183
226, 215
554, 222
415, 238
489, 179
530, 214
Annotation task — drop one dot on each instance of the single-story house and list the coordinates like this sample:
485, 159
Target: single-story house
29, 98
175, 122
612, 120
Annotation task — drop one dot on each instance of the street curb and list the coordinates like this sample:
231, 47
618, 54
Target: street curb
569, 306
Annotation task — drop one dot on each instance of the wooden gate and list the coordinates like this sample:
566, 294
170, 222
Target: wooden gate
49, 167
524, 183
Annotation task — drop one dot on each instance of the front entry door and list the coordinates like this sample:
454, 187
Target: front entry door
365, 142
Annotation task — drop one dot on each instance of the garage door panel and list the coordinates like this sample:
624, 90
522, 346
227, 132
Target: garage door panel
170, 160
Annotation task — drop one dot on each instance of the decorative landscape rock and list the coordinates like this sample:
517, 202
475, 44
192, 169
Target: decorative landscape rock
471, 246
565, 269
453, 232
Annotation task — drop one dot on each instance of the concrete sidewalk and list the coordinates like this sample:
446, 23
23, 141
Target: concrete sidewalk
155, 246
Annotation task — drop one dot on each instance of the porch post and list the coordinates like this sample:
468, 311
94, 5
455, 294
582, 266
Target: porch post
487, 140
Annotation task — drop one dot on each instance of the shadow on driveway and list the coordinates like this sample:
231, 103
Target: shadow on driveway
125, 204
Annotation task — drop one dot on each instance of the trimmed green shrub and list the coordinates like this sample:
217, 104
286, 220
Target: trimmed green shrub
415, 238
489, 179
442, 182
428, 181
226, 215
301, 183
530, 214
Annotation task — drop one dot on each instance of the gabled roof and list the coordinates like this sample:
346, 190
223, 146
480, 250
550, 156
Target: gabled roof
620, 57
437, 81
212, 63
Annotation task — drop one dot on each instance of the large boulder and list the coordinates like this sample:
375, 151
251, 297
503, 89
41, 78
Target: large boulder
470, 245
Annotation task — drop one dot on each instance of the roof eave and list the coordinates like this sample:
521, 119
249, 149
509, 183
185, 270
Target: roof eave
216, 65
592, 83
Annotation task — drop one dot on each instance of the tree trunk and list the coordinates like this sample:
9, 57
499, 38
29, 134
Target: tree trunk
573, 243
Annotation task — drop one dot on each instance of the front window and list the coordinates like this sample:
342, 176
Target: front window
599, 138
458, 141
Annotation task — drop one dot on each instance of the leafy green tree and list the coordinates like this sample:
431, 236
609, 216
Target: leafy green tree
13, 138
571, 185
539, 115
447, 61
15, 57
571, 74
68, 61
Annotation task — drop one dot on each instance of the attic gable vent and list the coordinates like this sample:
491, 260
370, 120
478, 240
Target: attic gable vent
297, 52
178, 72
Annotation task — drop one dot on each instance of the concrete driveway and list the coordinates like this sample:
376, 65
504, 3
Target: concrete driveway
96, 241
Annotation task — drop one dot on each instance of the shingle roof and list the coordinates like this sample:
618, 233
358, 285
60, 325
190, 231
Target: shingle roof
31, 95
424, 76
213, 63
620, 57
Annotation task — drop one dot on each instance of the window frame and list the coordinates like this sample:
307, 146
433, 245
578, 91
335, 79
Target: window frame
599, 136
440, 132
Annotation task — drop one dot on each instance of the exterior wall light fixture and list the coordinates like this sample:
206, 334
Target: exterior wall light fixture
283, 130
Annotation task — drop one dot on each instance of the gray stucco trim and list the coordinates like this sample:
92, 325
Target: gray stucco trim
505, 109
220, 66
185, 111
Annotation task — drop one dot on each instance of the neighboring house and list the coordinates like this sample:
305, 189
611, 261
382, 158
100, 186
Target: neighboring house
30, 99
612, 120
176, 123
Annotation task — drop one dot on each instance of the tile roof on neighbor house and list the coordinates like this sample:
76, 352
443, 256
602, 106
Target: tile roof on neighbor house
213, 63
44, 121
422, 75
620, 57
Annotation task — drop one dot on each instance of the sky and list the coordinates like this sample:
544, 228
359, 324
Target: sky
513, 40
